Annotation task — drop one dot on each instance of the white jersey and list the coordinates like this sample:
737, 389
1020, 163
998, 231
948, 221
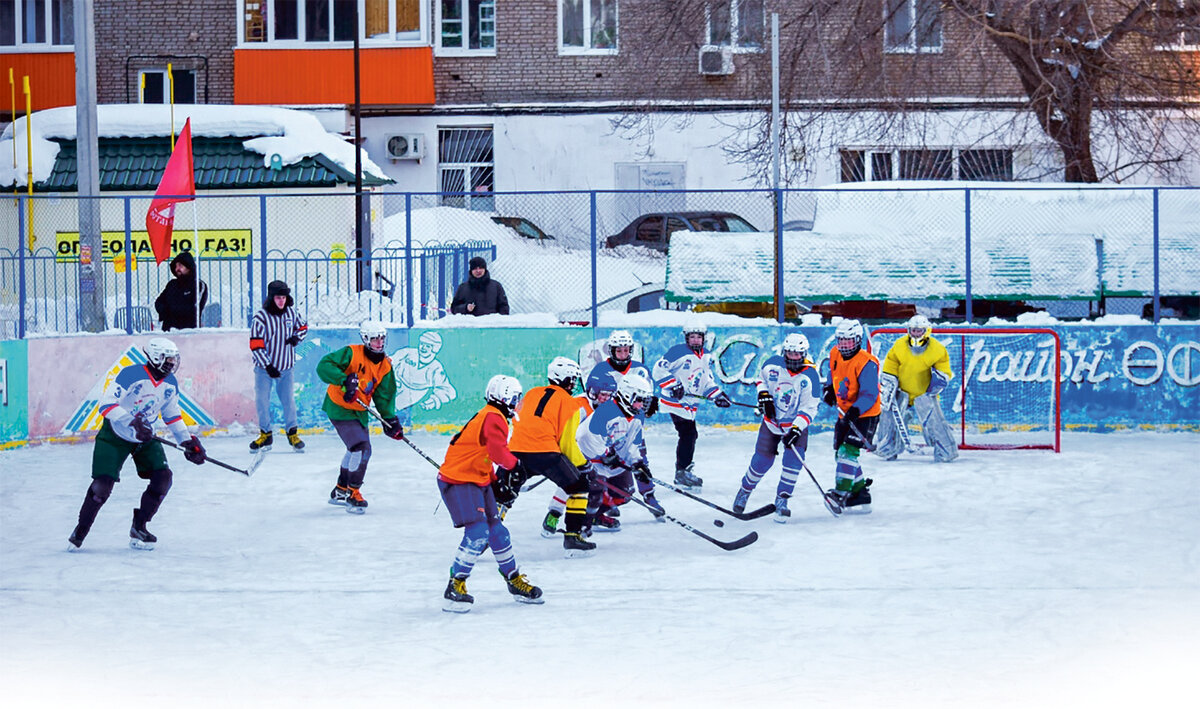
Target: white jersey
604, 377
684, 366
134, 391
796, 395
607, 430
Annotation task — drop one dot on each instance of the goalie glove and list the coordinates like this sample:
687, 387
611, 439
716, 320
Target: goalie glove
937, 382
766, 405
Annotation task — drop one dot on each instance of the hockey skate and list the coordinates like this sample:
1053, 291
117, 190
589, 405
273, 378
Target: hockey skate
835, 501
550, 524
741, 500
355, 504
339, 495
576, 547
76, 539
604, 523
656, 509
294, 441
457, 600
522, 591
263, 442
684, 478
140, 538
782, 513
859, 501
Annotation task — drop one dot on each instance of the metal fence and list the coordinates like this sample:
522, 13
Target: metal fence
955, 253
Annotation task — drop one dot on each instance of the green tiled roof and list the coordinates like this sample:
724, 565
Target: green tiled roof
133, 164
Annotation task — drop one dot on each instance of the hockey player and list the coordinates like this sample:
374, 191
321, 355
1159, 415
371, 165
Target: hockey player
135, 399
854, 389
684, 377
604, 376
612, 442
543, 440
358, 375
276, 331
915, 371
558, 499
787, 399
465, 480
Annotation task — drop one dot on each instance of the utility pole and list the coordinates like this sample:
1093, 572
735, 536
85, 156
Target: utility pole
92, 317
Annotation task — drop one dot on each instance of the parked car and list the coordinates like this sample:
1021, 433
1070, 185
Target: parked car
524, 227
654, 230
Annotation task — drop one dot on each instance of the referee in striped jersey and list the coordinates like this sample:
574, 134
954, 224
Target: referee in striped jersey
274, 334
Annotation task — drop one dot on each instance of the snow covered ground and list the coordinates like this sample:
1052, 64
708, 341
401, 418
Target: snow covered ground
1005, 579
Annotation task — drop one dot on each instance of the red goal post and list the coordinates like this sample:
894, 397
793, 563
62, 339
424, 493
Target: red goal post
1006, 388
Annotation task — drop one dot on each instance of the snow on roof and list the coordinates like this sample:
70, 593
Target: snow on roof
293, 135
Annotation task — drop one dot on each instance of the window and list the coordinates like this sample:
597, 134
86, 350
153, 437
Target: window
926, 164
1176, 34
299, 22
912, 26
465, 166
467, 26
995, 165
156, 89
29, 24
736, 23
587, 26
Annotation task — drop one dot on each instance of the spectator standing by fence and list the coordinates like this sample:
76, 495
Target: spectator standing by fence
479, 294
276, 331
182, 301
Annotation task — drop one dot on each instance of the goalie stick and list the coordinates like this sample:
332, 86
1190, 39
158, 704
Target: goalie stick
832, 503
727, 546
902, 430
755, 514
209, 459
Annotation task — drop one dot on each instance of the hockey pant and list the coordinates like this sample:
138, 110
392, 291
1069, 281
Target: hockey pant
766, 448
848, 473
561, 472
102, 486
935, 429
474, 509
685, 450
892, 437
358, 453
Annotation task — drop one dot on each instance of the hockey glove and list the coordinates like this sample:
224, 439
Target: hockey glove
142, 430
392, 428
722, 401
766, 405
612, 460
852, 413
350, 388
792, 437
675, 391
272, 372
193, 451
652, 407
641, 472
504, 493
828, 396
293, 340
937, 382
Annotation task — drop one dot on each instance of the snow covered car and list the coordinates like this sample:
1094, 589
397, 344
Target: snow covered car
654, 230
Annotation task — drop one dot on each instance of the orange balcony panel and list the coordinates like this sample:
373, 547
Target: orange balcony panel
387, 76
51, 80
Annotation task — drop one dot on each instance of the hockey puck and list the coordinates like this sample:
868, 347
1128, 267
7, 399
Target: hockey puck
718, 522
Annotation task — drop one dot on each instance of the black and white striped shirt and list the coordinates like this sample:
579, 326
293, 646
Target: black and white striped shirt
268, 338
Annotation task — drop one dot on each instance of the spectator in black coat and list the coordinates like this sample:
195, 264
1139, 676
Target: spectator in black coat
176, 305
479, 295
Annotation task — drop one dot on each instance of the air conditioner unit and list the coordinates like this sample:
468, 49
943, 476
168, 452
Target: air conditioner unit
716, 61
406, 147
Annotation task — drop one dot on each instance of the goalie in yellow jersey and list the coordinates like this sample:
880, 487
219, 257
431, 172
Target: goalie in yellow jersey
915, 371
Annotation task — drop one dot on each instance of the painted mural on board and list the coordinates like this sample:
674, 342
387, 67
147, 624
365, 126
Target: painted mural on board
14, 390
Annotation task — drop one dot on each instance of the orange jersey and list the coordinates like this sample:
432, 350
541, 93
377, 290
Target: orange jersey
482, 442
546, 423
369, 374
855, 381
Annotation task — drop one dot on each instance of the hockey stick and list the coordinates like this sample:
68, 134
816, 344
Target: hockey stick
209, 459
527, 488
740, 403
865, 444
727, 546
371, 410
832, 504
760, 512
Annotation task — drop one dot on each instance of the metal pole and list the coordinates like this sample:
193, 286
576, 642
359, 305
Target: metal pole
22, 295
778, 196
91, 259
1157, 298
363, 279
408, 256
129, 261
594, 249
967, 304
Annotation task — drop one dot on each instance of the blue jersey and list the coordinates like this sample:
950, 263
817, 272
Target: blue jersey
604, 377
609, 430
693, 371
135, 391
796, 395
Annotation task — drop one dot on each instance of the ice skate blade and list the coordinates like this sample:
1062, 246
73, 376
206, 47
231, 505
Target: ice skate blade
73, 549
577, 553
140, 545
533, 601
858, 509
782, 519
455, 607
262, 449
547, 534
350, 509
607, 530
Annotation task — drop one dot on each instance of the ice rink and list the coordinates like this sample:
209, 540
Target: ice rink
1005, 579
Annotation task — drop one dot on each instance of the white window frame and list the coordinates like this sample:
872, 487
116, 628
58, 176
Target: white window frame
587, 30
439, 50
391, 40
734, 20
1180, 45
162, 71
894, 159
471, 200
910, 44
31, 47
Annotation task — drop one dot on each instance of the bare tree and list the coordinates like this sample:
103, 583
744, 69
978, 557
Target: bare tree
1072, 73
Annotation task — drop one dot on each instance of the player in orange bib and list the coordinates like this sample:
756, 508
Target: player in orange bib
854, 389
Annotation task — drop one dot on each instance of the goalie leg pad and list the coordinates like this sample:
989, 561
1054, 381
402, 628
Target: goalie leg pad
935, 429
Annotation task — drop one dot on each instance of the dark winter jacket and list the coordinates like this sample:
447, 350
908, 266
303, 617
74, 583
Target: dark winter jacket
176, 305
487, 295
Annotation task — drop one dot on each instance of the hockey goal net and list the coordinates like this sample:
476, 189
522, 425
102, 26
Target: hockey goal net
1005, 391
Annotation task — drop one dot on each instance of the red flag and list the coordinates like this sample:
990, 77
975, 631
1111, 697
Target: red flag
177, 180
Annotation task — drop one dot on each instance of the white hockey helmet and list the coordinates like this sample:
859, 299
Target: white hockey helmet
563, 372
373, 330
620, 338
695, 326
162, 354
919, 328
505, 393
633, 394
849, 336
795, 345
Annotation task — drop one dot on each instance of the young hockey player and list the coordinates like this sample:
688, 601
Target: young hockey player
684, 377
543, 440
358, 375
854, 389
135, 399
558, 500
787, 399
612, 441
276, 331
465, 480
605, 375
915, 371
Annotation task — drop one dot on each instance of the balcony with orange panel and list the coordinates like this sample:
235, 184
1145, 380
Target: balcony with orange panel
388, 76
51, 80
